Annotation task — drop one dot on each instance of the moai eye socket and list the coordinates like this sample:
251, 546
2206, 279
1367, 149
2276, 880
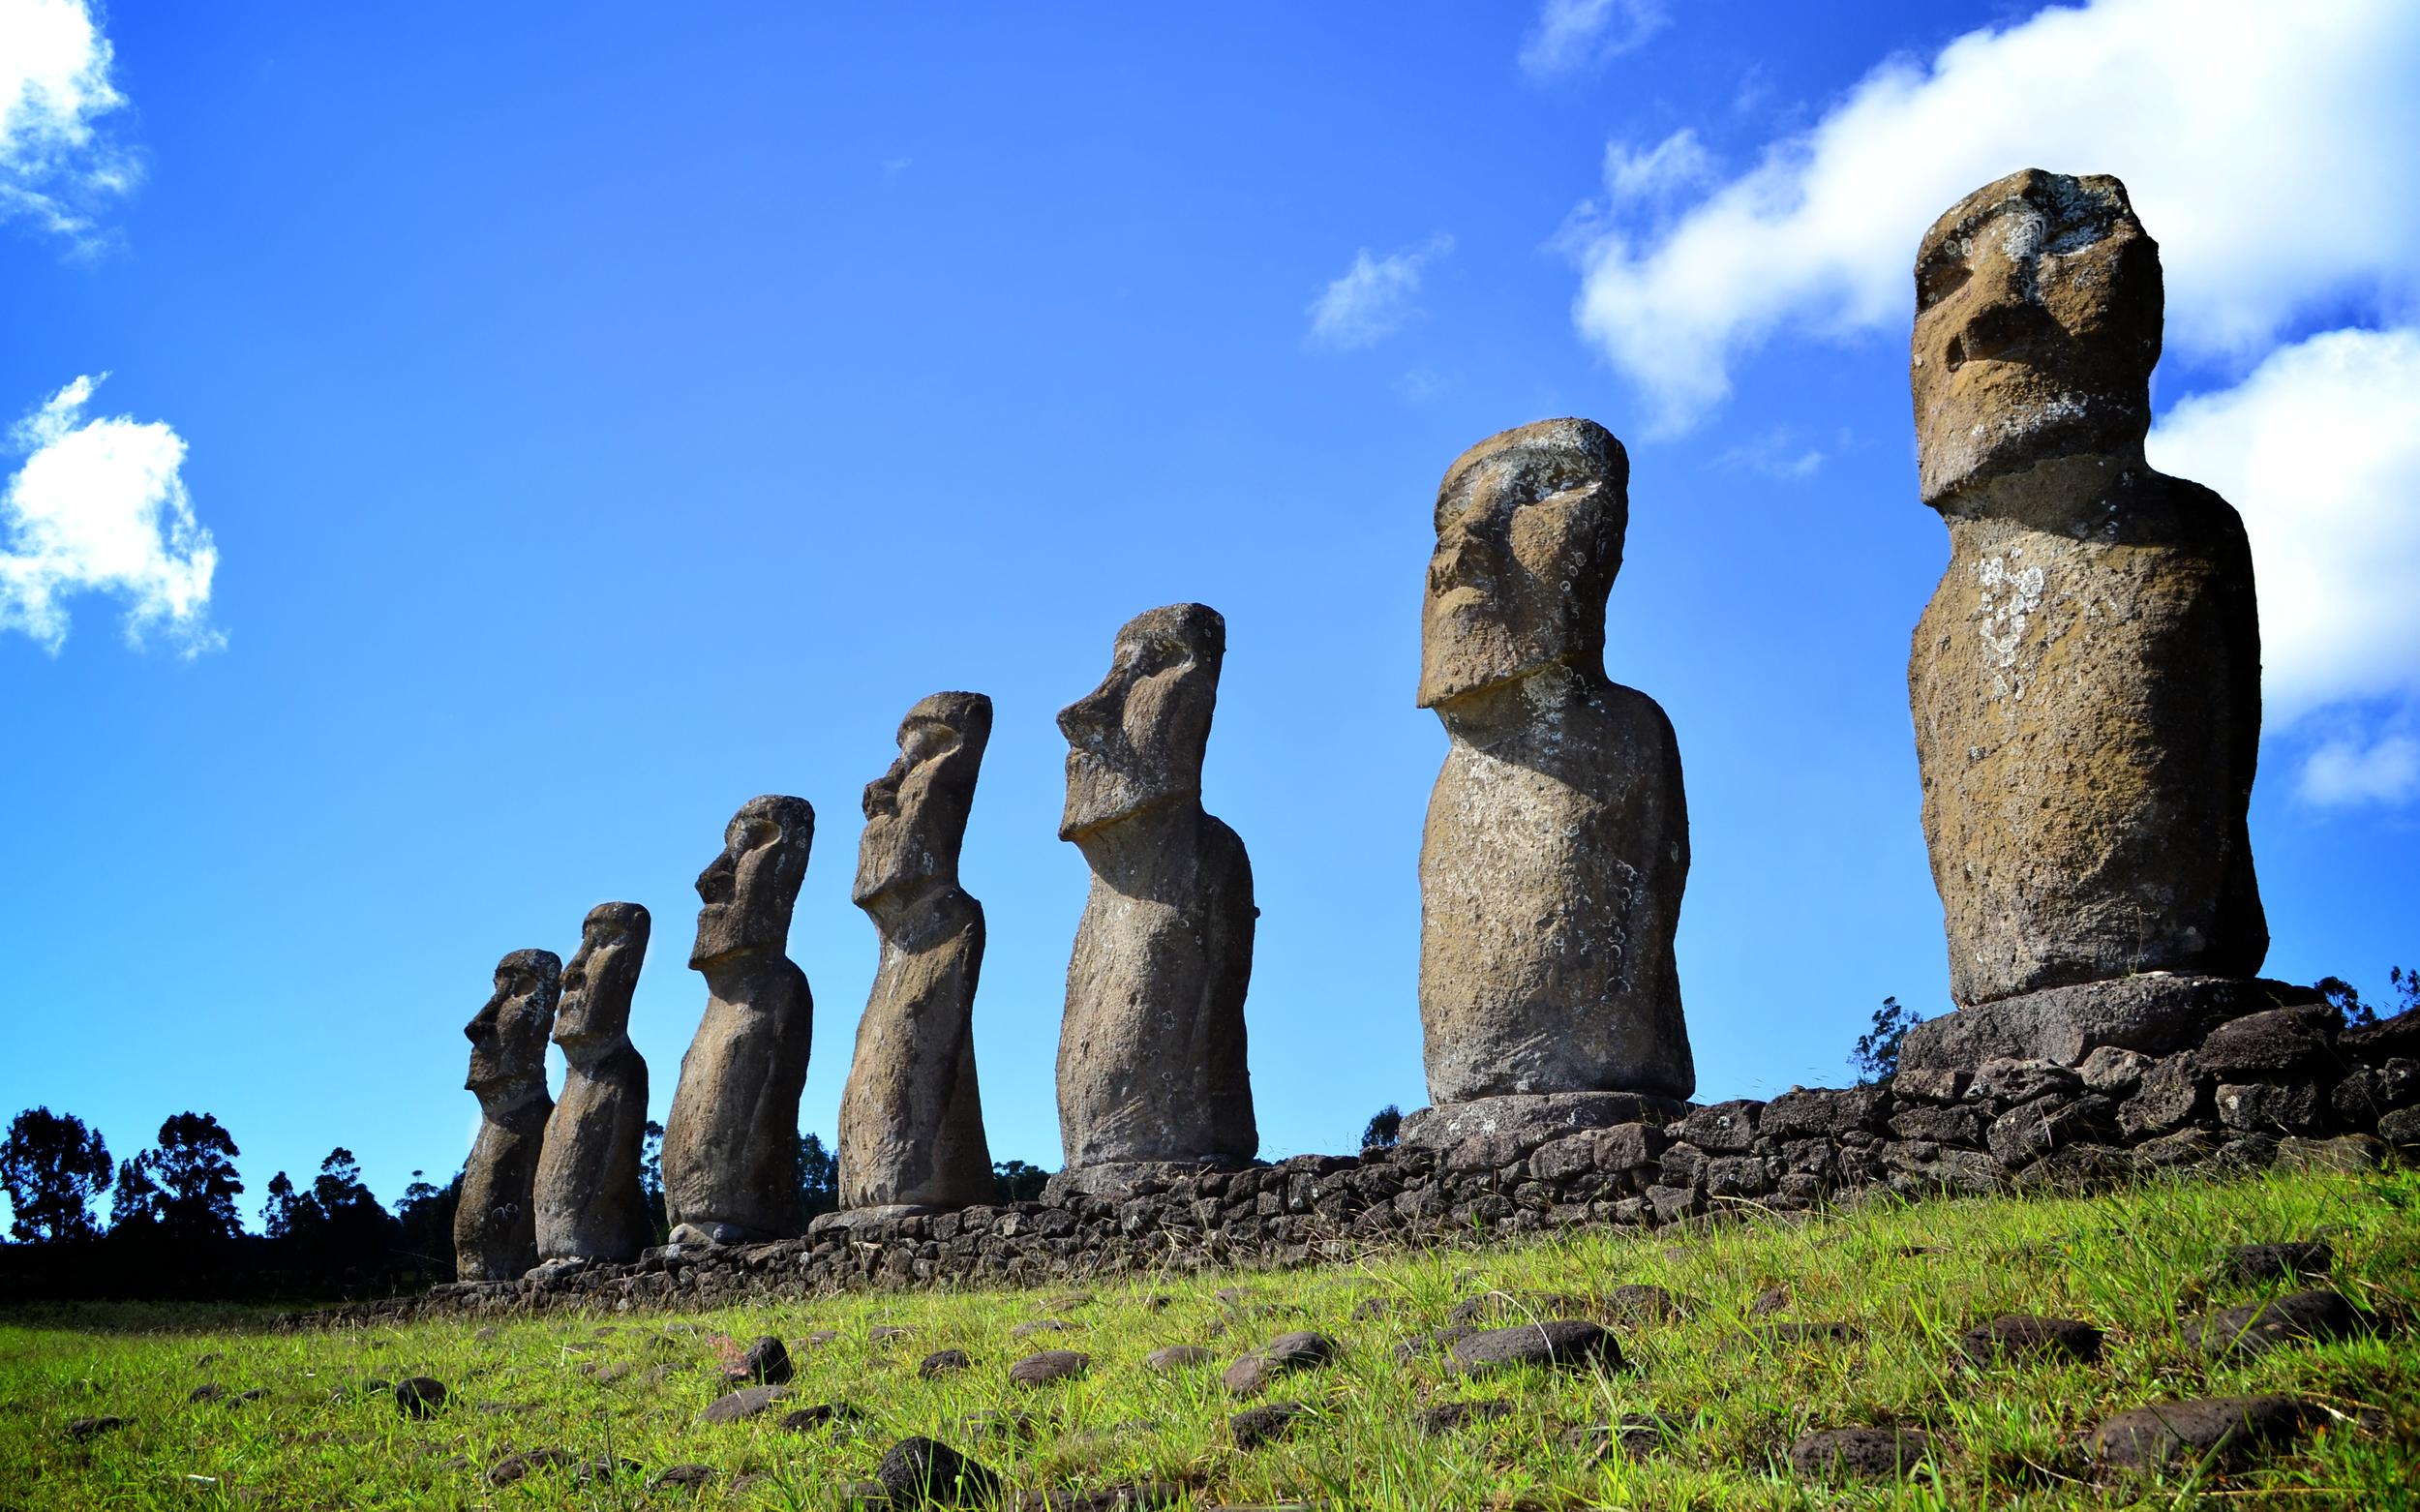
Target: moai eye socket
1938, 280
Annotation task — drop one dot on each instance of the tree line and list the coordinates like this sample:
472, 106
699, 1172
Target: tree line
175, 1229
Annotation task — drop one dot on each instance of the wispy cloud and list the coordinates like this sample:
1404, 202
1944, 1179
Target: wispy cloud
100, 506
2270, 155
58, 167
1780, 454
1374, 299
1577, 36
2319, 449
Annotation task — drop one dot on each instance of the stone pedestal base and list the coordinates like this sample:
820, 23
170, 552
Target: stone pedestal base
888, 1212
2156, 1013
1118, 1178
1533, 1118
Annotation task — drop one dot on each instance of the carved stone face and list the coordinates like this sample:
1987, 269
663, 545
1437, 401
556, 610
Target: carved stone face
1530, 526
595, 1005
2038, 309
748, 890
915, 812
1137, 741
508, 1037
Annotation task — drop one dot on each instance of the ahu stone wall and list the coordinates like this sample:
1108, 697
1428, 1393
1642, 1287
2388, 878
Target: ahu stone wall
2281, 1087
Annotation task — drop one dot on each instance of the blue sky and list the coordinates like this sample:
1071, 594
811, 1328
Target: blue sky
463, 454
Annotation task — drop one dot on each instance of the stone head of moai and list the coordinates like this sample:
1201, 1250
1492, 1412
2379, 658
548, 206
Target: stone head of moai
508, 1036
2037, 314
1136, 742
1530, 528
746, 893
594, 1014
915, 812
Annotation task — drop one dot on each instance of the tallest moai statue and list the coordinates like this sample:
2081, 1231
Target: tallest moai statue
2086, 680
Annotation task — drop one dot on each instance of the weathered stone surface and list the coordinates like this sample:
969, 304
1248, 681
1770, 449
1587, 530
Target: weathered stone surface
2172, 1092
1567, 1342
2261, 1326
2281, 1044
419, 1396
513, 1469
2026, 1134
911, 1116
1177, 1357
2230, 1432
926, 1472
1527, 1120
2156, 1015
765, 1361
1723, 1127
1286, 1352
1040, 1370
730, 1156
2112, 1071
1152, 1064
1556, 845
2283, 1261
1256, 1426
2086, 681
1447, 1416
495, 1234
2270, 1108
1863, 1453
2021, 1338
944, 1362
588, 1202
82, 1429
1804, 1112
740, 1405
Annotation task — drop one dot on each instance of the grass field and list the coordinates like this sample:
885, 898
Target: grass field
1910, 1275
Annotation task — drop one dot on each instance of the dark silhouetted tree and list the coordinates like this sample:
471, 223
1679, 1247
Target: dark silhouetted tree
1876, 1057
1384, 1127
277, 1215
2346, 998
136, 1203
819, 1178
187, 1187
52, 1166
342, 1230
1014, 1181
425, 1218
651, 1177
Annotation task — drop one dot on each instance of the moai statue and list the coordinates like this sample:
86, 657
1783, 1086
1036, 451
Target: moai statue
1557, 837
731, 1140
1152, 1068
2086, 680
496, 1224
589, 1205
911, 1118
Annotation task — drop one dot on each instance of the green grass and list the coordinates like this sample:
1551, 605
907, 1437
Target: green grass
1912, 1275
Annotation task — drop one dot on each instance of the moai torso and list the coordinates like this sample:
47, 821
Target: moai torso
494, 1223
2085, 680
589, 1202
730, 1156
910, 1117
1152, 1049
1556, 845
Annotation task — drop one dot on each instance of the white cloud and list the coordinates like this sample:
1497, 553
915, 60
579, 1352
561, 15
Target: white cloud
1575, 36
1780, 454
1679, 162
100, 506
55, 165
2319, 449
1374, 299
2269, 151
2342, 774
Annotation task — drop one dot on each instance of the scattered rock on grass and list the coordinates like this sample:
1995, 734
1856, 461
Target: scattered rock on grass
1133, 1497
821, 1414
682, 1477
941, 1362
606, 1468
1565, 1342
1419, 1345
1640, 1303
767, 1363
84, 1428
1862, 1453
1797, 1334
1041, 1325
741, 1405
514, 1466
2290, 1260
420, 1396
207, 1391
1040, 1370
2020, 1339
1770, 1301
1177, 1357
996, 1425
1447, 1416
2230, 1432
1256, 1426
2262, 1326
1637, 1435
1286, 1352
926, 1472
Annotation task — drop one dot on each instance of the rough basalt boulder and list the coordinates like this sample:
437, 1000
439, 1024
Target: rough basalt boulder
2086, 680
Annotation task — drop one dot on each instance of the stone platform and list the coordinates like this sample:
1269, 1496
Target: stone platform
2154, 1013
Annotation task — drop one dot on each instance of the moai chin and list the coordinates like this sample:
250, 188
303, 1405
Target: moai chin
589, 1204
2086, 680
731, 1140
1152, 1068
911, 1117
494, 1226
1557, 836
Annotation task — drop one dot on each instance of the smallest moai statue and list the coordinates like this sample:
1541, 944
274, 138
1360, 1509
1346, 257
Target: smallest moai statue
496, 1225
589, 1204
912, 1116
